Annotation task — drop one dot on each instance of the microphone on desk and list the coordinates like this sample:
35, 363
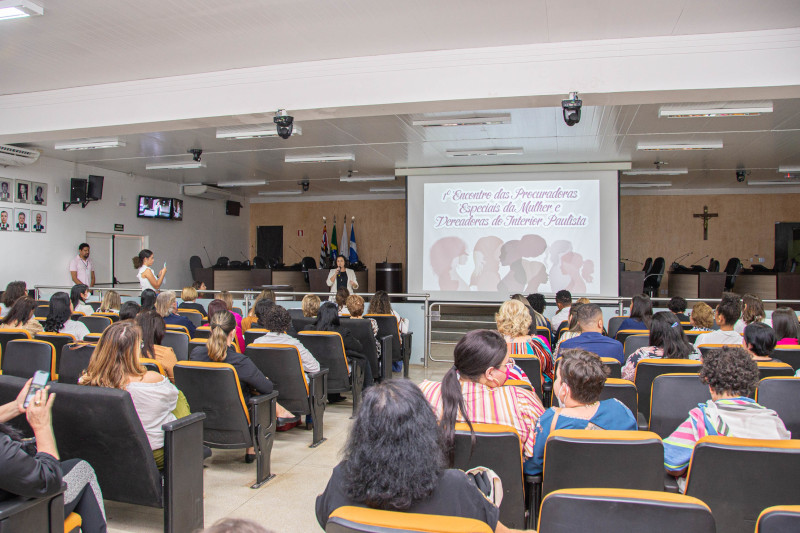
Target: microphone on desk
295, 251
211, 263
630, 260
386, 260
698, 261
676, 262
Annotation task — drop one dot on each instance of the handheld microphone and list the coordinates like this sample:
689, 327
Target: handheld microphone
209, 257
386, 260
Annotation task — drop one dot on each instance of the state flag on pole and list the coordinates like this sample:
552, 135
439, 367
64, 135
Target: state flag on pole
353, 250
344, 249
334, 244
323, 251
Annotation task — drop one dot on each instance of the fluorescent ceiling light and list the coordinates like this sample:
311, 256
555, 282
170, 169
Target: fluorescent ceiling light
656, 171
789, 169
251, 183
487, 152
14, 9
280, 193
387, 189
785, 182
709, 145
740, 109
175, 166
488, 120
319, 158
90, 144
367, 178
644, 185
255, 131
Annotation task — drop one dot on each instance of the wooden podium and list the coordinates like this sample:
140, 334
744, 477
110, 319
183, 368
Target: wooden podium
696, 284
631, 282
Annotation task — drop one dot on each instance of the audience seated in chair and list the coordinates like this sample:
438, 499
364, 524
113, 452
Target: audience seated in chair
111, 303
667, 341
251, 318
310, 304
513, 323
328, 320
340, 299
393, 460
573, 328
115, 364
784, 322
563, 302
759, 339
731, 376
590, 318
148, 299
752, 312
78, 296
33, 470
58, 318
641, 313
702, 317
476, 379
188, 297
580, 377
227, 299
277, 321
167, 307
129, 310
677, 304
153, 330
727, 313
355, 307
14, 291
537, 306
20, 316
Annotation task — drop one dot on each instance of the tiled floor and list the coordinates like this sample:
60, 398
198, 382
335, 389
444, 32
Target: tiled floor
286, 503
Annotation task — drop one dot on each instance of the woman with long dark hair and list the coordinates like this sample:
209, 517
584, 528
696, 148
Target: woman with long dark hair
474, 383
14, 291
78, 296
59, 317
148, 300
143, 263
393, 460
784, 322
20, 316
641, 313
328, 320
153, 331
667, 341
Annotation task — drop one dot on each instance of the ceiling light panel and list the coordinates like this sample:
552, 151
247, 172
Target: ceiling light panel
330, 158
14, 9
652, 146
485, 152
90, 144
280, 193
439, 122
176, 166
734, 109
786, 182
644, 185
250, 183
366, 178
387, 189
253, 132
656, 171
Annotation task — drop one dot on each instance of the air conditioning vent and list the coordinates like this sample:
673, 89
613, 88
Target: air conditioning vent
208, 192
14, 156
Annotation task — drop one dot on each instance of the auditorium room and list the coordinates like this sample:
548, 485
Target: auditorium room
372, 266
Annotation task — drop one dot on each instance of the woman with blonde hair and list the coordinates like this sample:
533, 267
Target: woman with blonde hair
702, 317
167, 307
355, 306
311, 303
189, 295
513, 322
111, 303
115, 364
251, 318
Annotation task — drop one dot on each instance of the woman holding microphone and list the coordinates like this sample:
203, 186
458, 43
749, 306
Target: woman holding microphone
342, 277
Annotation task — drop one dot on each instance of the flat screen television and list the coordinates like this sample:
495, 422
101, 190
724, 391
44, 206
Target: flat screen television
154, 207
177, 209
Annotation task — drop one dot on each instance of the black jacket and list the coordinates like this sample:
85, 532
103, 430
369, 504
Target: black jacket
250, 377
25, 475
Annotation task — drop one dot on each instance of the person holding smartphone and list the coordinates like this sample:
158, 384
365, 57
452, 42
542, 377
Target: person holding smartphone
147, 277
342, 277
34, 470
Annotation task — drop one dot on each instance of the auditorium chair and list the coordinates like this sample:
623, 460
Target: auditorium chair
652, 281
195, 264
42, 310
624, 391
222, 262
114, 317
768, 369
298, 392
58, 340
692, 334
623, 334
10, 334
177, 327
497, 447
782, 395
195, 316
95, 323
45, 515
252, 334
93, 338
195, 342
518, 383
296, 312
531, 365
732, 270
301, 323
365, 520
73, 361
613, 365
202, 332
647, 265
401, 342
153, 365
23, 357
634, 342
739, 478
94, 305
686, 326
648, 369
214, 389
789, 355
327, 347
713, 265
672, 397
179, 342
544, 331
560, 329
361, 329
613, 325
100, 425
779, 519
623, 510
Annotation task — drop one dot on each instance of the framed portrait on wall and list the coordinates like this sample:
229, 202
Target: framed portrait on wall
39, 221
39, 191
6, 190
23, 192
6, 219
22, 219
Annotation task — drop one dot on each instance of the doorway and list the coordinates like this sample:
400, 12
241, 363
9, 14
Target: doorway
269, 244
787, 246
113, 255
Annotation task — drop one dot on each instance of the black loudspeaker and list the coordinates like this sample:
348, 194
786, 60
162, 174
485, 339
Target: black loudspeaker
95, 190
77, 190
232, 208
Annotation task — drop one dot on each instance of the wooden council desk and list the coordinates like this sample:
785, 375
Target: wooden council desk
696, 284
769, 286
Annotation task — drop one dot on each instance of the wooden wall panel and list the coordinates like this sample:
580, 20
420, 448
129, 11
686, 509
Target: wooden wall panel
379, 223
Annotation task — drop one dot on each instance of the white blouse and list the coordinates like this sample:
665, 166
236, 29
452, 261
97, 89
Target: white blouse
154, 403
143, 281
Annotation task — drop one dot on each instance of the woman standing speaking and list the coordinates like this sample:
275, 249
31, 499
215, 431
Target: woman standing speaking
342, 277
146, 276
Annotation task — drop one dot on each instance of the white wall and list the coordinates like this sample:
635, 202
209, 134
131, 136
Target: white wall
42, 259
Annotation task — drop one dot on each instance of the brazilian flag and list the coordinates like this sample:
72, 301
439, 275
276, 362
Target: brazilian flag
334, 244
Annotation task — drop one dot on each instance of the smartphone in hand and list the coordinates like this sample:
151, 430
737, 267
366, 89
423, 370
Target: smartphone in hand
40, 379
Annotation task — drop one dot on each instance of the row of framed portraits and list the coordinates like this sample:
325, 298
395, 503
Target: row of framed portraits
23, 192
21, 219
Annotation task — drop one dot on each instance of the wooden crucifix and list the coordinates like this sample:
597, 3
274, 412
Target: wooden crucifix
705, 216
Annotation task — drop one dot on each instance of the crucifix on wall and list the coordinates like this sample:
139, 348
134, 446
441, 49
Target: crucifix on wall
705, 216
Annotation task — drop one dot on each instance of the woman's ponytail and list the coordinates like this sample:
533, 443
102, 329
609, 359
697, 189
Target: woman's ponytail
452, 403
221, 323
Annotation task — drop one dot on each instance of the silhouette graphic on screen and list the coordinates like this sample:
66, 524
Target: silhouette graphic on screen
446, 254
512, 254
486, 255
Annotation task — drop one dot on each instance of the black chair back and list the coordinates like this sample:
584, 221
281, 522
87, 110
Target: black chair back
203, 332
779, 519
789, 355
58, 340
327, 347
113, 317
713, 266
10, 334
623, 390
648, 369
387, 325
623, 334
361, 329
301, 323
73, 361
179, 342
615, 369
22, 358
195, 264
673, 396
96, 324
732, 269
769, 369
194, 316
282, 363
296, 312
42, 310
782, 394
252, 334
531, 365
613, 325
648, 264
634, 342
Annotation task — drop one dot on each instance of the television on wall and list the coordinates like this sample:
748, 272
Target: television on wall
154, 207
177, 209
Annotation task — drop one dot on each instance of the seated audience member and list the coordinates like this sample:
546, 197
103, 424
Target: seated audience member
702, 317
784, 322
379, 304
731, 376
20, 316
677, 304
148, 299
355, 307
760, 339
563, 302
752, 312
218, 349
111, 303
474, 382
227, 297
531, 312
310, 305
393, 460
277, 321
328, 320
115, 364
573, 326
78, 296
200, 286
153, 331
727, 313
583, 300
33, 469
129, 310
580, 378
667, 341
591, 339
59, 317
14, 291
167, 307
251, 318
341, 301
641, 313
513, 323
537, 305
189, 295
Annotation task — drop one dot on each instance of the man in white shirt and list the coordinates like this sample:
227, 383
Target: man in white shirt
564, 302
81, 267
727, 313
